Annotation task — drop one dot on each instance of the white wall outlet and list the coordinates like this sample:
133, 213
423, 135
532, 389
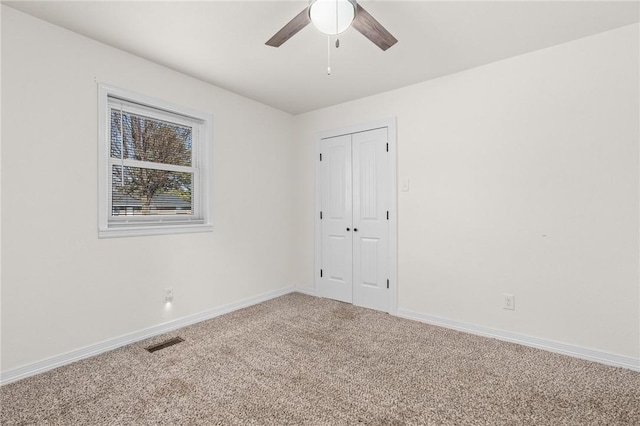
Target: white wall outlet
509, 302
168, 295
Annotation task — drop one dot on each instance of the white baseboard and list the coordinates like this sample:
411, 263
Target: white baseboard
108, 345
311, 291
548, 345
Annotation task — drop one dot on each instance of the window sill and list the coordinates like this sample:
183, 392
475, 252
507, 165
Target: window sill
164, 229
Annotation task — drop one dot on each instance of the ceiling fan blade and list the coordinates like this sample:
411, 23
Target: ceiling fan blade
300, 21
372, 29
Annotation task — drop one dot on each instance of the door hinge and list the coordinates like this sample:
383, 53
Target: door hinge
387, 283
387, 215
320, 156
320, 273
321, 215
387, 147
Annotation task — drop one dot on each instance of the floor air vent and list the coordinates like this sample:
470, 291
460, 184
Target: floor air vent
165, 344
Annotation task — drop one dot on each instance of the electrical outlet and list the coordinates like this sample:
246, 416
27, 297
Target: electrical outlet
508, 302
168, 295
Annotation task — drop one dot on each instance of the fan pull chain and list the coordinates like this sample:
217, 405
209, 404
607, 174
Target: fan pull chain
328, 55
329, 39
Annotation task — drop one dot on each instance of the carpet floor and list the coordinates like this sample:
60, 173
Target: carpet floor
300, 360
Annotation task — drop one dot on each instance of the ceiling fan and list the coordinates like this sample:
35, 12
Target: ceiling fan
332, 17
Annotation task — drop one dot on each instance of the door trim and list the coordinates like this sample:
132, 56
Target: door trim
390, 124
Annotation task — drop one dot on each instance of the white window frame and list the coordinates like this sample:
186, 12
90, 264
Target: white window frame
130, 226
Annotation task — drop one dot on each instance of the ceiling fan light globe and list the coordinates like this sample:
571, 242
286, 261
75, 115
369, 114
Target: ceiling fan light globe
332, 17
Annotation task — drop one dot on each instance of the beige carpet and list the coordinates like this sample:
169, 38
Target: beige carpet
304, 360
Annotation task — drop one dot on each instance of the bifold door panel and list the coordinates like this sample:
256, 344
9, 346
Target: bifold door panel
337, 240
370, 206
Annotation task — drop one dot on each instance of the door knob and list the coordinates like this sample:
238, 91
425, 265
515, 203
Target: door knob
348, 229
355, 229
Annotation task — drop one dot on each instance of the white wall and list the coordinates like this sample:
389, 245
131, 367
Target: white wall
525, 180
62, 287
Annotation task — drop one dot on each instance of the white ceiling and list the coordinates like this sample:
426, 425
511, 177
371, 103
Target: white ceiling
223, 42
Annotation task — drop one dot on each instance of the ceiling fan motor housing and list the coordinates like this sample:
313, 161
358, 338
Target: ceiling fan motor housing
332, 17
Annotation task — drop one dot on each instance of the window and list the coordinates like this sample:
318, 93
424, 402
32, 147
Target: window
153, 166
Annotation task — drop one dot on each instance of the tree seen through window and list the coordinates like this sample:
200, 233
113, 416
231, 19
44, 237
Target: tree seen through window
150, 187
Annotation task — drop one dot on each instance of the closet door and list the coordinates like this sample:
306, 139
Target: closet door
337, 242
370, 219
355, 198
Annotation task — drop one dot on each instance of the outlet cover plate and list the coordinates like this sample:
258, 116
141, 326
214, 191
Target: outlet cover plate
509, 302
